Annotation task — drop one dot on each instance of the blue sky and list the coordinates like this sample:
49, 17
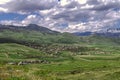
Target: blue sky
12, 16
62, 15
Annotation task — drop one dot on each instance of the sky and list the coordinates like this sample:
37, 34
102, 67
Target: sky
62, 15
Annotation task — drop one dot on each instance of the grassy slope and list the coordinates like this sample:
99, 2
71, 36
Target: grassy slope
97, 59
12, 51
37, 37
103, 66
40, 38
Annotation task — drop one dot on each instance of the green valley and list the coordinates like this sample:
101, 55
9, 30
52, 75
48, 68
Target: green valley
34, 55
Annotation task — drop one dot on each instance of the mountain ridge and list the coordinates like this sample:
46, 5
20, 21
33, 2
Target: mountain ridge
106, 34
30, 27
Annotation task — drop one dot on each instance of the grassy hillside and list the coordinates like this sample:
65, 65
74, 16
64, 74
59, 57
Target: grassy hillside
14, 52
36, 37
90, 62
34, 55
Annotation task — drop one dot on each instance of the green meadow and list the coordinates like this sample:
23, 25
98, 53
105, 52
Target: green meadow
32, 55
90, 62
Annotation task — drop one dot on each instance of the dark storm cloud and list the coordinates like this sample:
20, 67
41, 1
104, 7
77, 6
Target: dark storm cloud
103, 7
73, 4
93, 2
73, 16
29, 5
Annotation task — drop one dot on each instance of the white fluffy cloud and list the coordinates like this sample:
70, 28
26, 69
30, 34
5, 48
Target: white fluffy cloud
66, 15
30, 19
4, 1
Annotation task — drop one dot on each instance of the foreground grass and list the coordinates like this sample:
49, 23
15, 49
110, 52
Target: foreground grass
63, 67
67, 70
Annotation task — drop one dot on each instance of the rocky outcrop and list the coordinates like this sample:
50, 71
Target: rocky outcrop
29, 62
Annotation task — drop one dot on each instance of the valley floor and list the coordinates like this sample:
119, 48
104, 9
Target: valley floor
96, 63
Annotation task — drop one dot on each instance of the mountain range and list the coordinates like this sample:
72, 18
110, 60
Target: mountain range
33, 27
30, 27
106, 34
34, 34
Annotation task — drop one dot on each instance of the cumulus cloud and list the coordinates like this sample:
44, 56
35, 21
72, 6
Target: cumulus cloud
4, 1
30, 19
66, 15
28, 5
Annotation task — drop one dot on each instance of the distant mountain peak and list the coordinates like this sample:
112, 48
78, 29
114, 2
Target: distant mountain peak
113, 30
33, 25
29, 27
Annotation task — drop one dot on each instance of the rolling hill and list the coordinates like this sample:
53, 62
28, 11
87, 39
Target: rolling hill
41, 35
36, 53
